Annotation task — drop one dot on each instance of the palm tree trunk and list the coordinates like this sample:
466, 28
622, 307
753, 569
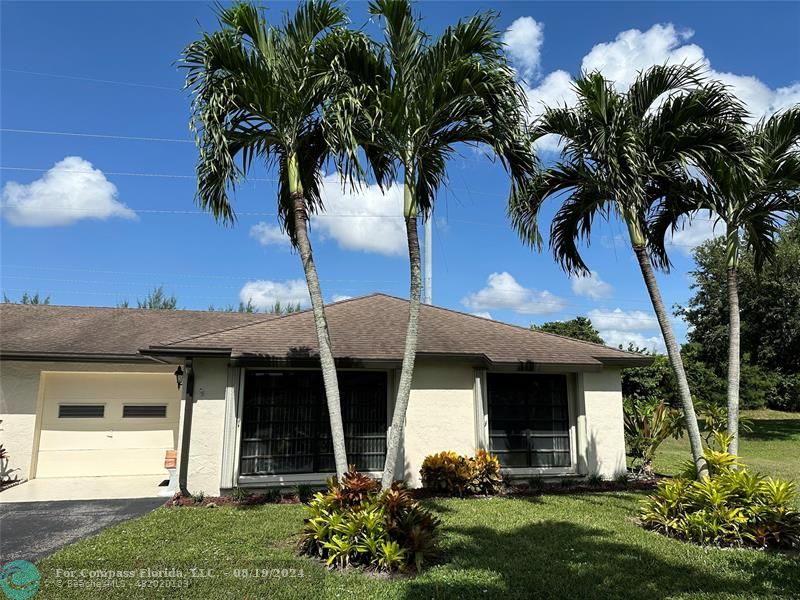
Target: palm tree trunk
689, 416
734, 333
326, 360
410, 353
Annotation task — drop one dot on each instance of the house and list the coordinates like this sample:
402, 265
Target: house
90, 392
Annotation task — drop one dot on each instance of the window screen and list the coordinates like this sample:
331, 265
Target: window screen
285, 425
81, 411
529, 419
144, 411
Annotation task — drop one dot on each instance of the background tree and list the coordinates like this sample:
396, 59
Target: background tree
276, 309
416, 104
579, 328
770, 318
752, 199
27, 298
157, 299
621, 151
259, 94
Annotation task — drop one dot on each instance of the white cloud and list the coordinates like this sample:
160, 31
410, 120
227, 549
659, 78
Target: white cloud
340, 298
264, 293
502, 291
72, 190
632, 51
690, 235
268, 234
590, 285
623, 320
615, 338
365, 219
483, 314
620, 327
523, 40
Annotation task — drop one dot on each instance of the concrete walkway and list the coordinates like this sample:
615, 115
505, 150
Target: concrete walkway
33, 530
84, 488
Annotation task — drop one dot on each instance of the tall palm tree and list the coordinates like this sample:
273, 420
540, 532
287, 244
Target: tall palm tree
259, 93
418, 100
752, 203
619, 152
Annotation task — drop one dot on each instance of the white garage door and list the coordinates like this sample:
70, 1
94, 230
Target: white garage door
96, 424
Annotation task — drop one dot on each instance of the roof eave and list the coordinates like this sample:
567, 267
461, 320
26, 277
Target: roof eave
627, 361
77, 357
185, 351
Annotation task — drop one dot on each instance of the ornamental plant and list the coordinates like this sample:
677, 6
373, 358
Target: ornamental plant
354, 523
730, 507
455, 475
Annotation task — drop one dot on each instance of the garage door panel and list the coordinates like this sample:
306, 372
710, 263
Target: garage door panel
107, 440
111, 444
84, 463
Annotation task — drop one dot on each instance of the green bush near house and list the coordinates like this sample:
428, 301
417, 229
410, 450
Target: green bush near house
451, 474
731, 507
354, 523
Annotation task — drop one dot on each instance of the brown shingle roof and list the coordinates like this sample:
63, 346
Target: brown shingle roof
374, 327
46, 330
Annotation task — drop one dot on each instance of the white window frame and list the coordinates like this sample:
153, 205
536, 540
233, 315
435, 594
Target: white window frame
232, 438
481, 395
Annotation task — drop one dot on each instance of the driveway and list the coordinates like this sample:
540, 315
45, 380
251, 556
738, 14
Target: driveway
85, 488
33, 530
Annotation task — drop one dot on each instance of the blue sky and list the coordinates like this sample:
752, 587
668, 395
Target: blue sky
97, 220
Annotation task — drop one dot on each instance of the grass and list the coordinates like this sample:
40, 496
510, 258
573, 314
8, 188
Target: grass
551, 546
578, 546
772, 448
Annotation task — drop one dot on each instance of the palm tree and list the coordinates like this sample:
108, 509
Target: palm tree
260, 92
619, 152
753, 203
417, 101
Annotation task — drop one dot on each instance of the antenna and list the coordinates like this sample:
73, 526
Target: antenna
428, 269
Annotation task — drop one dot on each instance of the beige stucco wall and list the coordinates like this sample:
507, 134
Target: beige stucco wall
19, 402
600, 423
208, 425
441, 413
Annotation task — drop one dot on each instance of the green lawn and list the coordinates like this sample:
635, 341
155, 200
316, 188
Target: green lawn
553, 546
772, 448
579, 546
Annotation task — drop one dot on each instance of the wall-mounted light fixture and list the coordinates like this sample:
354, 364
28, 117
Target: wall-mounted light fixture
179, 376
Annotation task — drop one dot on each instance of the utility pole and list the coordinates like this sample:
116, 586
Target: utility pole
428, 297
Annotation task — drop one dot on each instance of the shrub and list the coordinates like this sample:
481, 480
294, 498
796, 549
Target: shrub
786, 395
595, 479
647, 425
732, 507
354, 523
452, 474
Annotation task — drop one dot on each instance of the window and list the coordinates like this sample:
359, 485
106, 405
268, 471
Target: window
144, 411
285, 425
529, 420
81, 411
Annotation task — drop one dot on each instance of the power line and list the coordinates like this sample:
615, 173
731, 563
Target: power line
92, 79
125, 173
98, 135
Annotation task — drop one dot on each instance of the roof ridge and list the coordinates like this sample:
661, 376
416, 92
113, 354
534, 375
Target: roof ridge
215, 331
259, 322
528, 329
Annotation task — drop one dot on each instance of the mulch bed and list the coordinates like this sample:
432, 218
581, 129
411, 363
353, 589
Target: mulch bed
215, 501
565, 487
